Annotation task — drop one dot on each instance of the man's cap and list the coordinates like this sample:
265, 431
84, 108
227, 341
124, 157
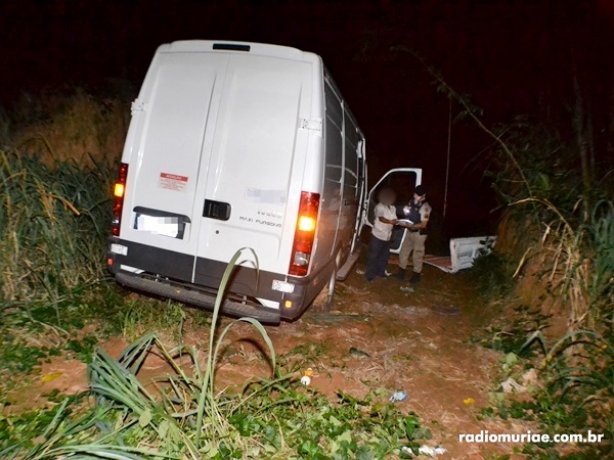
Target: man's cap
420, 190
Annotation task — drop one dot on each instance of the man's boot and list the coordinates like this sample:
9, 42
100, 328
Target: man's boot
400, 275
415, 278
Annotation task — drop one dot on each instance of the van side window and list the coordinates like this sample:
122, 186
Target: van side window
334, 139
352, 141
361, 163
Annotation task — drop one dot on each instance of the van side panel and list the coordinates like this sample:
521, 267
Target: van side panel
333, 175
343, 181
350, 199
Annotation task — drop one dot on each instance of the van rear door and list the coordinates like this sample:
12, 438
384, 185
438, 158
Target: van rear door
251, 176
173, 114
402, 181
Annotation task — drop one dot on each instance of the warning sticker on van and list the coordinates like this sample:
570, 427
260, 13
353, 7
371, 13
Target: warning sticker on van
172, 181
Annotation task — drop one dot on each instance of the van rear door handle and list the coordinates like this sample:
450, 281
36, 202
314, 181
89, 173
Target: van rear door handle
216, 210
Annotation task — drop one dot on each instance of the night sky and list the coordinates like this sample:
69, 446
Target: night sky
511, 57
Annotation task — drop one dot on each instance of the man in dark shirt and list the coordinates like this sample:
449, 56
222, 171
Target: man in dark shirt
417, 212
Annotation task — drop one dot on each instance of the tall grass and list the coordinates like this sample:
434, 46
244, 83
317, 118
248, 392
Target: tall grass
52, 228
570, 259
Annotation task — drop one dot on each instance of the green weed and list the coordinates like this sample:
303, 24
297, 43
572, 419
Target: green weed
20, 357
19, 432
309, 352
147, 315
511, 335
83, 349
492, 276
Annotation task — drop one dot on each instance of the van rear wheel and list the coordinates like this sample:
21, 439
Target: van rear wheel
330, 291
330, 287
324, 300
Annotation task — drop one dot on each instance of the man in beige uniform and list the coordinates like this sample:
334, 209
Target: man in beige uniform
417, 212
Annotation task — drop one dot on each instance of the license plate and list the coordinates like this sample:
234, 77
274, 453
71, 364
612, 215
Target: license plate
166, 226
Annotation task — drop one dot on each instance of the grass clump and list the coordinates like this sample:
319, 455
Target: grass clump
52, 240
571, 390
140, 315
491, 275
20, 356
510, 335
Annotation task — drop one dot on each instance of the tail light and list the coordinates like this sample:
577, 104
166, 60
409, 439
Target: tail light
119, 190
304, 233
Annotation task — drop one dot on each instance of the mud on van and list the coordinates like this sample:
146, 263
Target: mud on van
236, 145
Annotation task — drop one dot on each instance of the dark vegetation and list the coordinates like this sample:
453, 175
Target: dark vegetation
552, 274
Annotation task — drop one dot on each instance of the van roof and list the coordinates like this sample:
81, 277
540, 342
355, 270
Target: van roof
226, 46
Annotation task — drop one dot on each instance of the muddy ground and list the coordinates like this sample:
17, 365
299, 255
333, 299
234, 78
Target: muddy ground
374, 337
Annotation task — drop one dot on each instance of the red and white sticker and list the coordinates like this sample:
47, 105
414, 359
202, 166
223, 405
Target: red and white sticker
173, 181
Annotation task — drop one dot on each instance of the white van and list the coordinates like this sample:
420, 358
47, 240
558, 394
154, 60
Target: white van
235, 145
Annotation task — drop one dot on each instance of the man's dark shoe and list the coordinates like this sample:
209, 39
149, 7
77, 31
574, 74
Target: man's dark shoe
400, 275
415, 278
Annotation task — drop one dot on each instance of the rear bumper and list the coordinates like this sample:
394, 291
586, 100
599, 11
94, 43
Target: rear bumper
179, 276
196, 297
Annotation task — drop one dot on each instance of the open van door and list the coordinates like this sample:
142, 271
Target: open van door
402, 181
